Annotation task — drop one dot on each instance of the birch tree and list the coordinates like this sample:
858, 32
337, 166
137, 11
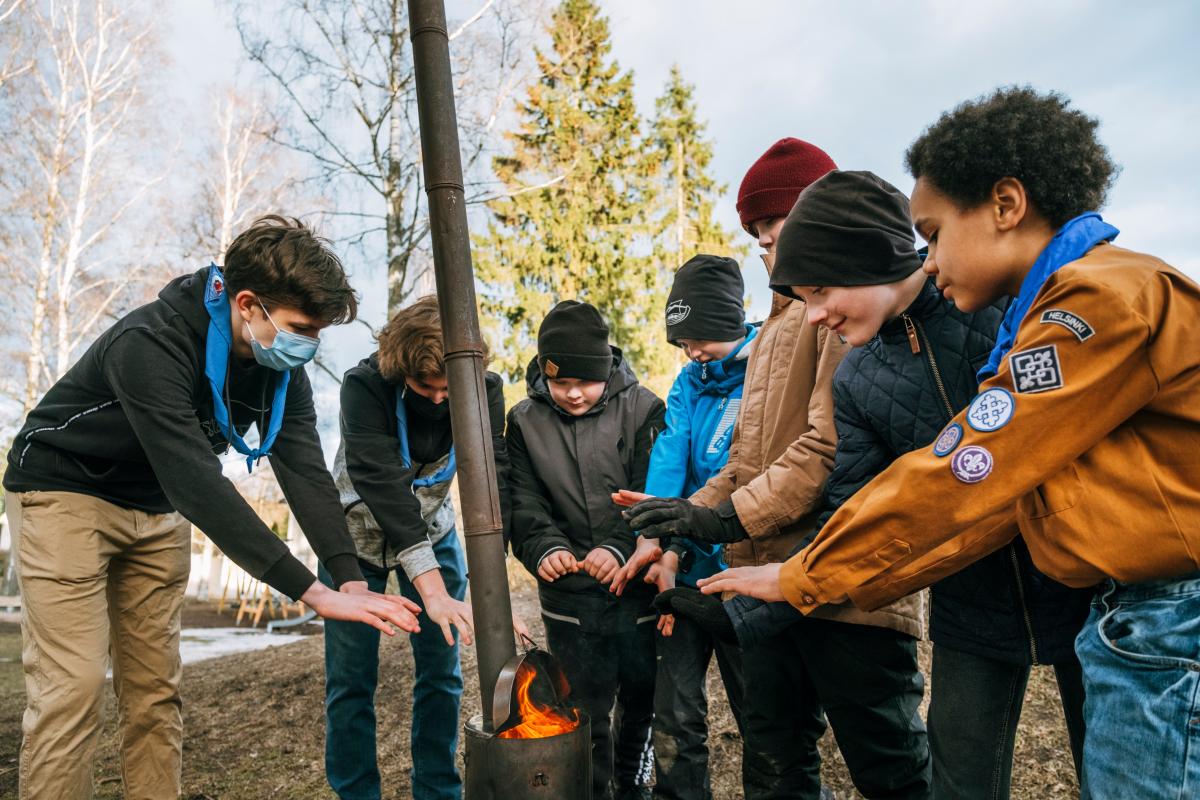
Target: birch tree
82, 166
345, 69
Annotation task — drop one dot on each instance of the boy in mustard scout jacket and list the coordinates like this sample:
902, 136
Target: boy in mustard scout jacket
1086, 420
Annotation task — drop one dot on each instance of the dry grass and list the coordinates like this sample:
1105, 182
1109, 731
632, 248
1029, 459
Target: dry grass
255, 726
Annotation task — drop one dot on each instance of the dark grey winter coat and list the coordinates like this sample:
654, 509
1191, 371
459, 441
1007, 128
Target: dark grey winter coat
564, 470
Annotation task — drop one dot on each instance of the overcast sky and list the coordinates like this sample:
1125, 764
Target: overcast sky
861, 79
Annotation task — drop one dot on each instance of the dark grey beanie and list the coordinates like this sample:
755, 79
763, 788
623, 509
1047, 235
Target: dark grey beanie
849, 228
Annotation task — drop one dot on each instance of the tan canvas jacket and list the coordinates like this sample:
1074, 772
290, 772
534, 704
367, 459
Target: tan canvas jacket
782, 452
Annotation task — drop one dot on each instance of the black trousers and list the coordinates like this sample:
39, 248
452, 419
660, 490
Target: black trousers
612, 680
975, 705
866, 680
681, 708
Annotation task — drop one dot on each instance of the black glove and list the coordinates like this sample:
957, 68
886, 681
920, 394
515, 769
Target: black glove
705, 610
674, 516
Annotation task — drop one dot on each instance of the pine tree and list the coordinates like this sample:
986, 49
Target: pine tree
573, 221
684, 224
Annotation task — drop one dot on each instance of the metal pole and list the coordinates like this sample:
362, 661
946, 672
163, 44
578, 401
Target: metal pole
483, 524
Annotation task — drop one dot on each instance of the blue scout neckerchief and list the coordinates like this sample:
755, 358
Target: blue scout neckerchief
442, 475
216, 368
1071, 243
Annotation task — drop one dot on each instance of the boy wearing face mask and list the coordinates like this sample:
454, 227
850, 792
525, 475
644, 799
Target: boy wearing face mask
117, 462
394, 468
585, 431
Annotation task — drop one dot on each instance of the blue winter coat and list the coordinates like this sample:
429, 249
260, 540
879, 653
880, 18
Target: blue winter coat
701, 411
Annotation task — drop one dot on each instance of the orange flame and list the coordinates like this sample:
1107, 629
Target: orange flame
538, 720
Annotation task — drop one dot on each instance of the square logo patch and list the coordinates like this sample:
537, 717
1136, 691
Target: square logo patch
1036, 370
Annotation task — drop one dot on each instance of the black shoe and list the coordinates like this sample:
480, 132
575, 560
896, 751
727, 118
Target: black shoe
703, 609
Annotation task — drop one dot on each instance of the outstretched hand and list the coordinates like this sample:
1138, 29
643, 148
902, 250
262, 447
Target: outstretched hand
647, 552
674, 516
356, 603
761, 582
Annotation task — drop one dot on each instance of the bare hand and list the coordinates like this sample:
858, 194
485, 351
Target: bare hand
647, 552
761, 582
666, 624
557, 564
662, 574
627, 498
520, 628
446, 612
355, 603
601, 564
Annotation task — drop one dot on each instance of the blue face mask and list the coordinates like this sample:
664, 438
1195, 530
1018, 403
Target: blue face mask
288, 351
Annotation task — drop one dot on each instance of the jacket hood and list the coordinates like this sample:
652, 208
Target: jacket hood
185, 296
722, 377
620, 379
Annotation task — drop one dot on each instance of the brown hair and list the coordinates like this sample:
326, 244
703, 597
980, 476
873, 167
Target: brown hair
411, 343
286, 264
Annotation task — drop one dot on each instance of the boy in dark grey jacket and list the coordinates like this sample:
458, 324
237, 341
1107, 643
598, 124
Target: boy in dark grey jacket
584, 432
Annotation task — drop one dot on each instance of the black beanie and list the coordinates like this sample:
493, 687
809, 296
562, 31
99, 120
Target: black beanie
706, 301
846, 229
573, 343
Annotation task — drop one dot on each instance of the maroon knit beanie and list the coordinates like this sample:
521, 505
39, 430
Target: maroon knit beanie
773, 183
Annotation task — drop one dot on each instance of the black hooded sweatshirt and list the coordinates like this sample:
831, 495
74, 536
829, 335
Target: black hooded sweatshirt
564, 471
132, 423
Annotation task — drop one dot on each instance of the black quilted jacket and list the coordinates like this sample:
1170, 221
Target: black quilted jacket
895, 394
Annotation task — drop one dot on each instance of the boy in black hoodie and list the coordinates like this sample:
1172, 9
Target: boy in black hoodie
585, 431
121, 455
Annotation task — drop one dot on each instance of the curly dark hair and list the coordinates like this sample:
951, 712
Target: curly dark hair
1017, 133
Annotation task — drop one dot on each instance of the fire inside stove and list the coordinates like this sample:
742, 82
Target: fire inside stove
537, 719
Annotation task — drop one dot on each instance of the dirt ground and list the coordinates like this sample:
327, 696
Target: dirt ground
254, 725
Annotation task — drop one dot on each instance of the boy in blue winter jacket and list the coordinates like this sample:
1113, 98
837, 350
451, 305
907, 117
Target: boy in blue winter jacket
705, 316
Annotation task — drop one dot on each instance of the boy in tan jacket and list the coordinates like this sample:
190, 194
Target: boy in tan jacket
859, 667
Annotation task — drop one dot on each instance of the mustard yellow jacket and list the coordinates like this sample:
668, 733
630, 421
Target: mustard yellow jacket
1090, 429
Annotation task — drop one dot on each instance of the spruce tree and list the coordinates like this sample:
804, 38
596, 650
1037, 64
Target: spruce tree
573, 221
689, 192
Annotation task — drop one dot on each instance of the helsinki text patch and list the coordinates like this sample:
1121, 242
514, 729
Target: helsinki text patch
1072, 322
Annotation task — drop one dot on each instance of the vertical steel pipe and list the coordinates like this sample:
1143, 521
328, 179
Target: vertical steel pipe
483, 523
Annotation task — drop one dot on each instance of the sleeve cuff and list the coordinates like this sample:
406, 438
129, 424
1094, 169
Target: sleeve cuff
343, 568
418, 559
289, 576
757, 526
621, 558
797, 588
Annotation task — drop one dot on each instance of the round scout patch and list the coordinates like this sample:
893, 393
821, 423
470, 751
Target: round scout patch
948, 440
971, 464
991, 410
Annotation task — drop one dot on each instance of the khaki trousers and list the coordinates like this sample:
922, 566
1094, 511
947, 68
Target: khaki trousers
97, 582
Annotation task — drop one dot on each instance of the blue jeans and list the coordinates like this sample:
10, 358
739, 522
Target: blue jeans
1140, 651
352, 673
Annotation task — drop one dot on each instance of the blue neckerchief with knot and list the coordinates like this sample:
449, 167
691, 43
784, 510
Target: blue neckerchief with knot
442, 475
216, 367
1071, 243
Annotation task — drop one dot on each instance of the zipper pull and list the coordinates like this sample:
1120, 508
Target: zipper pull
704, 371
911, 330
